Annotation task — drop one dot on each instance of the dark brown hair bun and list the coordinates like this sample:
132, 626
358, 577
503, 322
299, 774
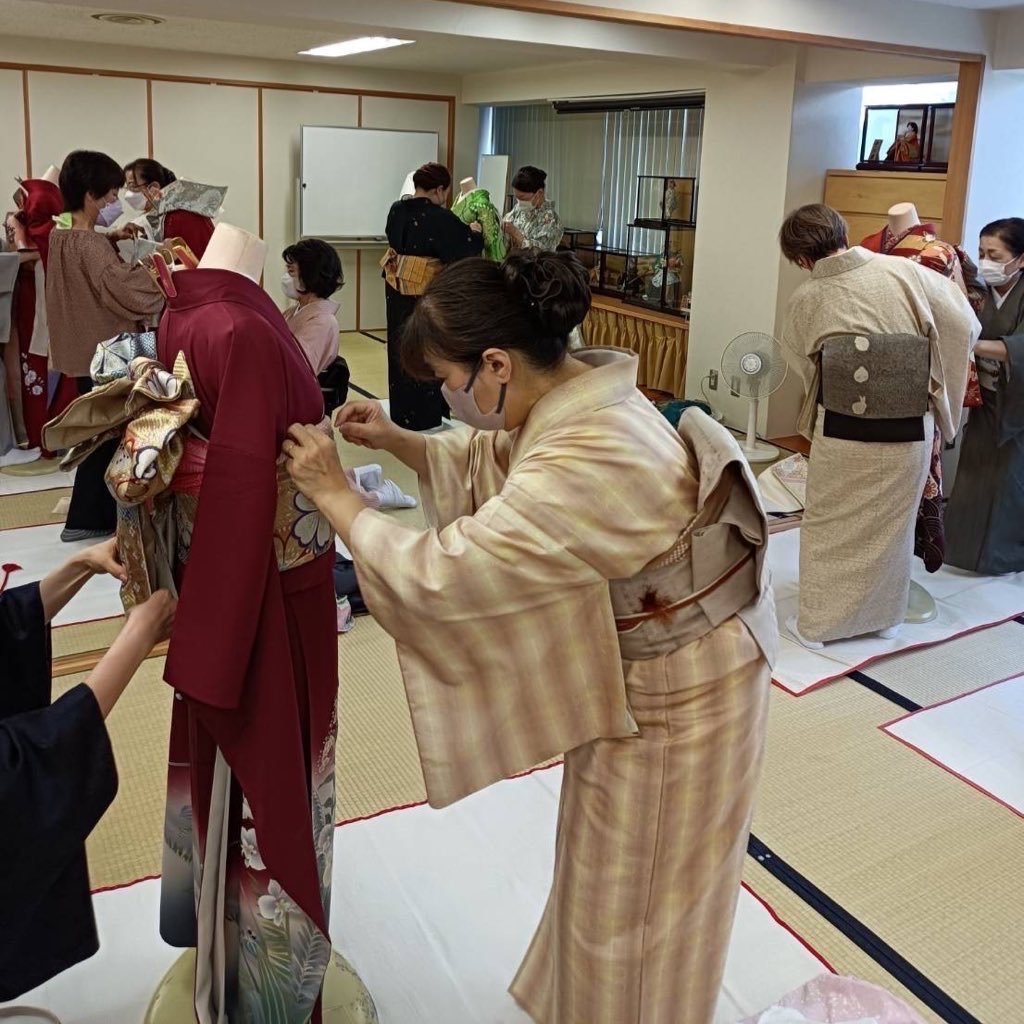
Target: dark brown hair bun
553, 286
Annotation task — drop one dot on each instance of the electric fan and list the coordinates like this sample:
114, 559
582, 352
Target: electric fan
754, 367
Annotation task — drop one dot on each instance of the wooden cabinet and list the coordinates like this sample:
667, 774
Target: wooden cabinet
864, 198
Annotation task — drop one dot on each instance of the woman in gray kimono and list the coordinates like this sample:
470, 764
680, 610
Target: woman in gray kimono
984, 514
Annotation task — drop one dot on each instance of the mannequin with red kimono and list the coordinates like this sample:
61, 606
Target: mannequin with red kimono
42, 202
253, 661
906, 236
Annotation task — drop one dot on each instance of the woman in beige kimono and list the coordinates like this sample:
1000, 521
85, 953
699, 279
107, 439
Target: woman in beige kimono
592, 583
857, 537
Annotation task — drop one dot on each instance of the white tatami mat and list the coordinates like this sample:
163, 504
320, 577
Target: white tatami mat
966, 602
434, 909
978, 737
39, 550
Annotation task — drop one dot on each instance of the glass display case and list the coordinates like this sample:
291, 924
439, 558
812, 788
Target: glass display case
659, 268
665, 200
606, 266
573, 238
907, 138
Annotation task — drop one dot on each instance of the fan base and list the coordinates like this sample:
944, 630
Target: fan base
761, 452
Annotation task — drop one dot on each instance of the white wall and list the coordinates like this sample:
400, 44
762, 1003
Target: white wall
997, 170
825, 135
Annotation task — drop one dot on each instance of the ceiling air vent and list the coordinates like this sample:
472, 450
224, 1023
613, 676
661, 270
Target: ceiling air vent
133, 20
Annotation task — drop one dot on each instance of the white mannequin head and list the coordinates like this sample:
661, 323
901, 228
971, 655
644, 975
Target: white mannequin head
52, 175
903, 217
408, 188
467, 185
236, 250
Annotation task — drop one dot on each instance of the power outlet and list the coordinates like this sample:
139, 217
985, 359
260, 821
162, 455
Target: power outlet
712, 380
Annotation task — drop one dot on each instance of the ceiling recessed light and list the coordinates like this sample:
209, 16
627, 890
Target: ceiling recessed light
352, 46
128, 19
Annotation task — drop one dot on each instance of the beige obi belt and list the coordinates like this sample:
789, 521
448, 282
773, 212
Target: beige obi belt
409, 275
156, 474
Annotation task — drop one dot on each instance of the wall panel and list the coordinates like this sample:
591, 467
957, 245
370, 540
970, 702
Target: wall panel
209, 134
12, 133
85, 112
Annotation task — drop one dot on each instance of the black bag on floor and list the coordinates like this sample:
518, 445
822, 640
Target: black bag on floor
334, 385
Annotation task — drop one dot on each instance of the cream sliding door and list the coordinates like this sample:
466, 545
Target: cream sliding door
86, 112
209, 134
12, 134
284, 113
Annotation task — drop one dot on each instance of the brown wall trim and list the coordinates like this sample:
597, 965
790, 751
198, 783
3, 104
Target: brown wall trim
149, 116
28, 124
259, 154
618, 16
237, 82
961, 148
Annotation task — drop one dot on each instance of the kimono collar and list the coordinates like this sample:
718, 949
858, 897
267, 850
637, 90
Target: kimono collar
205, 287
853, 259
611, 380
190, 196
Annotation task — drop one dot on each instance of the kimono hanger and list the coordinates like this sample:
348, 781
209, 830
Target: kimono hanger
183, 254
160, 270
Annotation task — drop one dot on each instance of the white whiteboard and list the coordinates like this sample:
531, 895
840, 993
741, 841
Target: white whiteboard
494, 177
350, 177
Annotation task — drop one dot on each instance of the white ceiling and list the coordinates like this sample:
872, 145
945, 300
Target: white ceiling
432, 52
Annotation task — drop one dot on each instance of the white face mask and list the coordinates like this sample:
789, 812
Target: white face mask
995, 273
134, 200
463, 406
289, 287
524, 204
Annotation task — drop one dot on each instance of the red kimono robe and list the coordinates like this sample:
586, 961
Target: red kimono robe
43, 202
193, 228
253, 661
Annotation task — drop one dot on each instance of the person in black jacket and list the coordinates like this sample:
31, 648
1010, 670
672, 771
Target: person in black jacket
57, 771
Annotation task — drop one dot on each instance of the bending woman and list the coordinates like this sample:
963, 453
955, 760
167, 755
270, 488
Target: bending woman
552, 608
983, 517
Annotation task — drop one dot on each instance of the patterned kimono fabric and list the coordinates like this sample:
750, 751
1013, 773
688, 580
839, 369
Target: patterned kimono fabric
186, 210
921, 244
986, 508
655, 685
857, 537
540, 225
249, 829
477, 206
42, 203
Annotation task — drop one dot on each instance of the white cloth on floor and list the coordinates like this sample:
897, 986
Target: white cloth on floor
378, 492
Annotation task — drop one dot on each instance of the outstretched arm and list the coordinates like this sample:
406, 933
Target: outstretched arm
61, 585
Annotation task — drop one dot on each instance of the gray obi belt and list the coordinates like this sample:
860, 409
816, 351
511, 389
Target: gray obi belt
874, 387
716, 569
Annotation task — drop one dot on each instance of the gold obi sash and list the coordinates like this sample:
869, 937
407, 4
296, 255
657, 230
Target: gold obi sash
156, 475
409, 275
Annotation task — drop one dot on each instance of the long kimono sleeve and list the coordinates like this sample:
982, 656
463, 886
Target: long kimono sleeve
455, 241
57, 777
544, 233
465, 469
1011, 392
800, 348
127, 291
231, 560
954, 331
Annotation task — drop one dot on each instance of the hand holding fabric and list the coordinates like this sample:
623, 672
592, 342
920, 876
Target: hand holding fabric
102, 559
365, 424
154, 618
313, 463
